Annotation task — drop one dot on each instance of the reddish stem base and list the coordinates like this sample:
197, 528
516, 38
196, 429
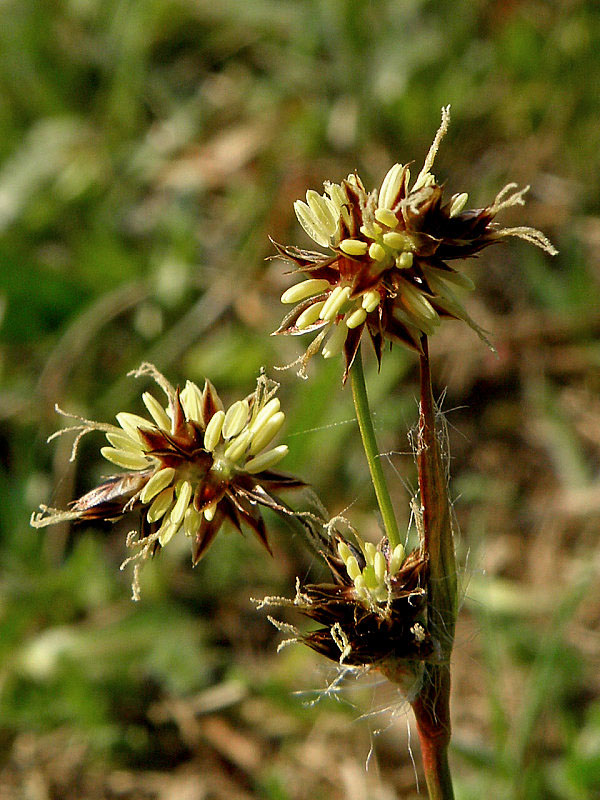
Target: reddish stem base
432, 714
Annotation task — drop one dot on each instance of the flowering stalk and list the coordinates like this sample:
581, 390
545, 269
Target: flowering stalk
367, 432
432, 705
389, 274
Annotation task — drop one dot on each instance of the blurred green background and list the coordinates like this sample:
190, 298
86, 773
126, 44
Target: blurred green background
148, 149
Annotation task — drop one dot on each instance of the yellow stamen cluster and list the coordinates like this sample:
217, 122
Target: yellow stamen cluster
383, 247
372, 582
236, 438
388, 272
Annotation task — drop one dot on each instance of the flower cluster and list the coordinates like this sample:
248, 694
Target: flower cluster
373, 614
190, 467
388, 272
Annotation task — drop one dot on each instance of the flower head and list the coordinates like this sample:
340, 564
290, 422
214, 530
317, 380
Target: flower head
387, 271
189, 467
372, 614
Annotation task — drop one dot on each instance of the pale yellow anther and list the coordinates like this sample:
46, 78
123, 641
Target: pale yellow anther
458, 204
336, 193
371, 230
344, 551
423, 181
396, 240
361, 586
371, 300
160, 505
191, 400
125, 458
397, 559
335, 342
166, 532
157, 412
266, 460
303, 290
209, 512
183, 501
235, 419
386, 217
335, 302
380, 566
159, 481
122, 441
191, 521
265, 413
390, 186
339, 199
212, 434
369, 550
267, 433
238, 446
377, 252
352, 568
353, 247
404, 260
356, 318
331, 300
310, 315
131, 422
370, 578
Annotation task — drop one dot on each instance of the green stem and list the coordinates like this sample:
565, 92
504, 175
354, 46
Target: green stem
367, 432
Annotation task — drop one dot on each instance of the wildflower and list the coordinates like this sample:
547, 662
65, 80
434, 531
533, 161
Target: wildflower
373, 614
388, 270
190, 467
